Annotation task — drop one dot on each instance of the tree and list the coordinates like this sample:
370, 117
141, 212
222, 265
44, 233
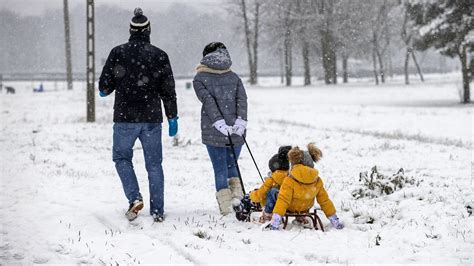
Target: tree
280, 24
448, 26
288, 44
302, 22
328, 42
251, 25
407, 35
349, 29
379, 38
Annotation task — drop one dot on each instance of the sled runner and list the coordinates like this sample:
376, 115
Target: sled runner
312, 215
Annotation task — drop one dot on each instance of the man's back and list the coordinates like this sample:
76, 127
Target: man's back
141, 76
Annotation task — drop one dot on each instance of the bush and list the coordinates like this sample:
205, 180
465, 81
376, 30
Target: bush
376, 184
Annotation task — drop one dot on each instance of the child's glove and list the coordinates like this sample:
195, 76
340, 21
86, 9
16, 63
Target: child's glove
335, 222
276, 222
222, 127
239, 126
102, 94
173, 126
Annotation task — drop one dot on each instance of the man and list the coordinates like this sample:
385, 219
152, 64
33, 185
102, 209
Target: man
141, 76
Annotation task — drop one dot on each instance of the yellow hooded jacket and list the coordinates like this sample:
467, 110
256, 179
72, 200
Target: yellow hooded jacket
299, 190
275, 180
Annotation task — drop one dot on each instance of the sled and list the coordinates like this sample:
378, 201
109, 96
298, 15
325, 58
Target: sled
312, 215
317, 223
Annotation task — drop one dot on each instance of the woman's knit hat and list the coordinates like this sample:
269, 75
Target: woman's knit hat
139, 22
212, 47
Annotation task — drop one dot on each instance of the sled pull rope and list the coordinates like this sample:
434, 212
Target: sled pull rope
250, 151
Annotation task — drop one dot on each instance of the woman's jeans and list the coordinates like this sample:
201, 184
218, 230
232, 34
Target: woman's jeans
149, 134
223, 163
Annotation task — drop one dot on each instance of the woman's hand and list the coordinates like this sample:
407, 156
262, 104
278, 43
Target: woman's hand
222, 127
239, 126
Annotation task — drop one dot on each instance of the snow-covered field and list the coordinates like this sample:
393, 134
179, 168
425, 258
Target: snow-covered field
62, 201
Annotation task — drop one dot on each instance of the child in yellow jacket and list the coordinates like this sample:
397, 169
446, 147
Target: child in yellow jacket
302, 187
265, 194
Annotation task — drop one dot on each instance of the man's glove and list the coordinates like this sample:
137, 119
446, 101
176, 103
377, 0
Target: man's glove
335, 222
239, 126
276, 221
173, 126
102, 94
222, 127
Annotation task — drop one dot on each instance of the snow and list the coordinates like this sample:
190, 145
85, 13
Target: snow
62, 201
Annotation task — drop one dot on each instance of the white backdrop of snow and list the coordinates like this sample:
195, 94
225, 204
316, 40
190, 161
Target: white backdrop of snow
62, 201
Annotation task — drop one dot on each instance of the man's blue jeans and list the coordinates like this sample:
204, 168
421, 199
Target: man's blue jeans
272, 196
149, 134
223, 163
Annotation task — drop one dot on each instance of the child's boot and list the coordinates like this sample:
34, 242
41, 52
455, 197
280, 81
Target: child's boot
302, 221
236, 188
224, 199
265, 217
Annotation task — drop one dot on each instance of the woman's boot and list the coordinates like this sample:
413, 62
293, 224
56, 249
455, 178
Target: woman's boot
224, 199
236, 188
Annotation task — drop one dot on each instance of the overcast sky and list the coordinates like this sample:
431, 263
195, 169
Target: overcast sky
35, 7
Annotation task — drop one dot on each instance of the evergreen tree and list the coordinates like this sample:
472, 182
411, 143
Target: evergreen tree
447, 25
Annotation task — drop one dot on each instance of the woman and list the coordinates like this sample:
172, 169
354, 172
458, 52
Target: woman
223, 114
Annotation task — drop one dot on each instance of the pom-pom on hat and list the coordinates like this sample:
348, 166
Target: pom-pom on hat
308, 158
139, 22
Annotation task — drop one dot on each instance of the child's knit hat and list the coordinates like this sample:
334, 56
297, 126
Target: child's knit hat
279, 161
308, 158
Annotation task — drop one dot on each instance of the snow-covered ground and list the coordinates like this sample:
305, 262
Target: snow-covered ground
62, 201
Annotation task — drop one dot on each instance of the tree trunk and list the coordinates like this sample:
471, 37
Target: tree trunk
253, 74
407, 59
288, 58
345, 74
471, 69
329, 58
374, 60
417, 66
465, 75
288, 47
282, 65
307, 70
381, 66
333, 62
325, 55
247, 39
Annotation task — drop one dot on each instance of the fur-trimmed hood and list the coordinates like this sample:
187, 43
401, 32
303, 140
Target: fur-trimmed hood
206, 69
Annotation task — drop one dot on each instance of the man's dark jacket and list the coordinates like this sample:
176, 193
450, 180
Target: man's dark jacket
141, 76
